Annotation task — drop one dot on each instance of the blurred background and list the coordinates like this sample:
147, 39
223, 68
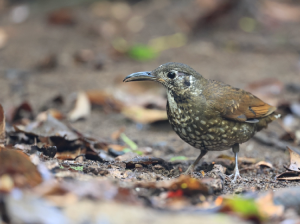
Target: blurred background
55, 53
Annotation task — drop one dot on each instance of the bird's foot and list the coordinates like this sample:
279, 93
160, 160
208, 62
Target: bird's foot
236, 175
190, 170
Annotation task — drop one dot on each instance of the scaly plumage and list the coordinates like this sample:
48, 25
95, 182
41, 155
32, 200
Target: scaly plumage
207, 114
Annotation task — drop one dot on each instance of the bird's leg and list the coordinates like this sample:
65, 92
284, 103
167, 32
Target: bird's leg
236, 149
192, 167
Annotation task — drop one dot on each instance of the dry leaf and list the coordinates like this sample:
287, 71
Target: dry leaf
281, 11
24, 110
2, 126
293, 172
48, 128
264, 164
105, 99
294, 160
267, 207
288, 175
82, 107
144, 116
116, 147
53, 112
18, 167
185, 183
69, 155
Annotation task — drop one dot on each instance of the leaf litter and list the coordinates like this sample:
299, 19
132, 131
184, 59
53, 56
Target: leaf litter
293, 171
137, 179
53, 170
132, 172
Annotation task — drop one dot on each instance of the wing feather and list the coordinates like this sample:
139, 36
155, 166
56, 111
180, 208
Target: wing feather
236, 104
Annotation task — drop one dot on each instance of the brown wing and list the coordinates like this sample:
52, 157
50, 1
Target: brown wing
236, 104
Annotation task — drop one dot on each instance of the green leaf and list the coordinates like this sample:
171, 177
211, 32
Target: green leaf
243, 206
126, 150
180, 158
142, 52
128, 142
139, 152
78, 168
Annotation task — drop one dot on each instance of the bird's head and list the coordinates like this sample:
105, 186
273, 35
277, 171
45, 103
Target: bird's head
174, 76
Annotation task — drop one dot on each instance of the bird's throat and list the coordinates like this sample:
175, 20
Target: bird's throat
172, 103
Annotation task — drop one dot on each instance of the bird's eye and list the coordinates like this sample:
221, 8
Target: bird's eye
171, 75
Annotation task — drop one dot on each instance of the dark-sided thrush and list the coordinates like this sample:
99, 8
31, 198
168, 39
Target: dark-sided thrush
207, 114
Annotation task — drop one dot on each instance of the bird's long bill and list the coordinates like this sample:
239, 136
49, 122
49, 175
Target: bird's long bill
140, 76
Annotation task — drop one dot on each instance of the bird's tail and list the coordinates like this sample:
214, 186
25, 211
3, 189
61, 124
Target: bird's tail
263, 122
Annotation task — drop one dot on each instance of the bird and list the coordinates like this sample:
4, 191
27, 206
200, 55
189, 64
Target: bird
207, 114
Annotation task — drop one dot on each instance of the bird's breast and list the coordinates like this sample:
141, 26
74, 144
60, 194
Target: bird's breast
203, 131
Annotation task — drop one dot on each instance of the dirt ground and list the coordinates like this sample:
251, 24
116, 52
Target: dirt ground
217, 52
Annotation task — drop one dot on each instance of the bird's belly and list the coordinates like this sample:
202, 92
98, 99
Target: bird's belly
210, 134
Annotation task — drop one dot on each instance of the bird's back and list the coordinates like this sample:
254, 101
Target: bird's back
219, 117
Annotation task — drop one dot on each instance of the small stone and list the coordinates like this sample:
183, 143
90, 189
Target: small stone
238, 190
138, 166
158, 167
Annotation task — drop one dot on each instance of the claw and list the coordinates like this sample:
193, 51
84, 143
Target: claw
235, 149
191, 168
235, 176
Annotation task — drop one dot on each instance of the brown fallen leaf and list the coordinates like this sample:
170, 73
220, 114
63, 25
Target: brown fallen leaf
281, 11
144, 116
24, 110
16, 168
288, 175
2, 127
69, 155
63, 16
268, 208
50, 127
264, 164
82, 107
294, 160
293, 172
137, 101
53, 112
105, 99
184, 183
116, 147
